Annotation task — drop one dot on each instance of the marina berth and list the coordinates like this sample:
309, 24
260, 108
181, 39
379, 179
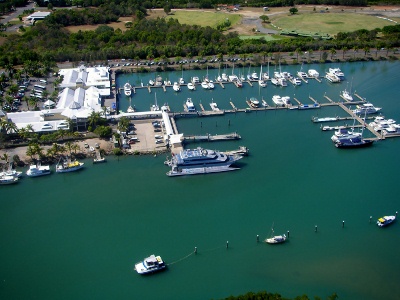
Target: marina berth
201, 161
254, 102
211, 85
205, 85
274, 81
386, 220
224, 77
285, 100
150, 265
337, 72
332, 78
254, 75
195, 80
392, 129
366, 108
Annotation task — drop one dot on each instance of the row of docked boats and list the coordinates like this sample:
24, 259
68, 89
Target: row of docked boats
37, 170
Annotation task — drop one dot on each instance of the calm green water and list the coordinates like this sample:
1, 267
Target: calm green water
78, 235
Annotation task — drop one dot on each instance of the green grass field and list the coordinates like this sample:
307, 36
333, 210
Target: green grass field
211, 19
330, 23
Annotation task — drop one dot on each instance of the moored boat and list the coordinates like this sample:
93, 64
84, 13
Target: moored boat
346, 96
7, 179
254, 102
190, 86
353, 142
277, 239
201, 161
38, 170
189, 105
127, 89
176, 87
277, 100
65, 166
366, 108
386, 220
150, 264
313, 73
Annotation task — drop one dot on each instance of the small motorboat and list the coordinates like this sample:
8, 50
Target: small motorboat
386, 220
150, 264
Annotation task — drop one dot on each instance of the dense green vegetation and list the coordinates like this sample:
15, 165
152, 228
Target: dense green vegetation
160, 38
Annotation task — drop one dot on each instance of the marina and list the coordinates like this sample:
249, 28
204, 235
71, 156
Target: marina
291, 175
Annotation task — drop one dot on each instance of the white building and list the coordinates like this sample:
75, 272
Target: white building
85, 78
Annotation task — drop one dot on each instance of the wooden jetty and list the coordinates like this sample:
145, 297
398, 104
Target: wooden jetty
298, 102
202, 107
265, 104
164, 88
249, 82
149, 88
362, 122
212, 138
329, 99
221, 84
313, 100
233, 105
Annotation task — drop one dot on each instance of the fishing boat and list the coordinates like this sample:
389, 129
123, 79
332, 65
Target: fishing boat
6, 179
127, 89
65, 166
201, 161
189, 105
386, 220
38, 170
150, 264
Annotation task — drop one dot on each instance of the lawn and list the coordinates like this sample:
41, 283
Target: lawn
330, 23
204, 18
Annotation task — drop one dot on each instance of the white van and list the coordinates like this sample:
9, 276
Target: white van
43, 81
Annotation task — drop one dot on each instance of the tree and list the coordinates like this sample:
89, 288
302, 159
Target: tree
167, 9
264, 18
293, 10
123, 124
93, 119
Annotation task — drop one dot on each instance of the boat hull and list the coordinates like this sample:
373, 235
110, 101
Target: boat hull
200, 170
364, 143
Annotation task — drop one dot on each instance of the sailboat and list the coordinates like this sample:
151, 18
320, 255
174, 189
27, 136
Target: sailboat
355, 141
261, 81
249, 74
130, 108
219, 78
181, 80
277, 239
155, 107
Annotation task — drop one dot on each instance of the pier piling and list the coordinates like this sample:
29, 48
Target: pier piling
195, 250
227, 244
288, 233
343, 224
258, 238
316, 228
370, 219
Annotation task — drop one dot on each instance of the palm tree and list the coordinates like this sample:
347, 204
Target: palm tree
68, 146
123, 124
333, 52
75, 147
93, 119
344, 49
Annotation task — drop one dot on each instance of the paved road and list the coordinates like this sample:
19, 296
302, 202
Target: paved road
13, 15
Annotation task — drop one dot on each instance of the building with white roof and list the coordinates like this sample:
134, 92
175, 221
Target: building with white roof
39, 15
76, 105
83, 77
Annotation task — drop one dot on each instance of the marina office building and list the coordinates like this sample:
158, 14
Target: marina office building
82, 91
